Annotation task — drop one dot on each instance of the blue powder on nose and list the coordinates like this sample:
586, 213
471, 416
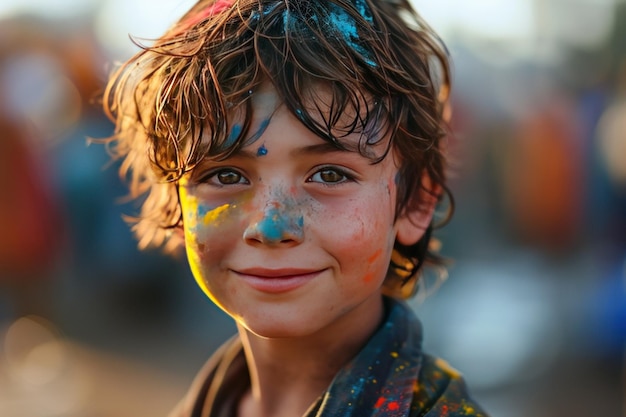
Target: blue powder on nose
277, 225
272, 229
273, 226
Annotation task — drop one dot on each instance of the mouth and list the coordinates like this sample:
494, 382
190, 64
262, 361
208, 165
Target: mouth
276, 281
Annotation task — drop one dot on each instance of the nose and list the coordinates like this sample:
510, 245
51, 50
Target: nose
277, 227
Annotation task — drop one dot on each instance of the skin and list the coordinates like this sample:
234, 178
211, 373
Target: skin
294, 244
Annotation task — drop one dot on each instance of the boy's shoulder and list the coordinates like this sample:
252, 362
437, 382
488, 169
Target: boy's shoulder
441, 391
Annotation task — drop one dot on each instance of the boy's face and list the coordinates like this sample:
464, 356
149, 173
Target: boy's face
291, 235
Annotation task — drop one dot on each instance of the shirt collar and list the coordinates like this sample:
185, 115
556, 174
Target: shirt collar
381, 379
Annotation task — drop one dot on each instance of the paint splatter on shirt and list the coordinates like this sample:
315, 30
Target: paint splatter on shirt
390, 377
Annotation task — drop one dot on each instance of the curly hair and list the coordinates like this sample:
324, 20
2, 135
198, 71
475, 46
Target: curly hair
173, 102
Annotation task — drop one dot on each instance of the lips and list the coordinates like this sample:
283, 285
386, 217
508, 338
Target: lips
277, 281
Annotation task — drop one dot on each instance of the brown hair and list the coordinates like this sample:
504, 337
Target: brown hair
171, 102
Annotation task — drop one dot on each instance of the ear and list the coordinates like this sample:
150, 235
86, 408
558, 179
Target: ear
416, 217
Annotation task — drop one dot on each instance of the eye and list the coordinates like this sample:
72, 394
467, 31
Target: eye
330, 175
225, 176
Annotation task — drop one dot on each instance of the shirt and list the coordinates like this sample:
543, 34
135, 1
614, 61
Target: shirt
389, 377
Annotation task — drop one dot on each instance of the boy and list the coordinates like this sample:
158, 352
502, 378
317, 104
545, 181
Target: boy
293, 148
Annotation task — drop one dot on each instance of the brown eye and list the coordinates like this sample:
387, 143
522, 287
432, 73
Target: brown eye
329, 176
226, 177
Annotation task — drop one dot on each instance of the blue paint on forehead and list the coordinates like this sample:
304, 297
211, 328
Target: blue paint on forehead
233, 135
262, 127
262, 151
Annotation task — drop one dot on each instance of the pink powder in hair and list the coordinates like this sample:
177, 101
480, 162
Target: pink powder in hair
216, 8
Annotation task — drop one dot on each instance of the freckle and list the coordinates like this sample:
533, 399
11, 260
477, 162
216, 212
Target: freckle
262, 151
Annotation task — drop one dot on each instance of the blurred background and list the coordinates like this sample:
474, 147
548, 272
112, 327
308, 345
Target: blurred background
534, 308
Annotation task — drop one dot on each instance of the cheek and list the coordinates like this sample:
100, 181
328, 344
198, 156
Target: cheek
209, 235
361, 236
201, 222
206, 228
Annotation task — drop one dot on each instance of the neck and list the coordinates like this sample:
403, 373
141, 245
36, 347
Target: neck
288, 375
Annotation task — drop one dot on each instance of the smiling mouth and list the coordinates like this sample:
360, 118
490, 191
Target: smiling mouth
276, 281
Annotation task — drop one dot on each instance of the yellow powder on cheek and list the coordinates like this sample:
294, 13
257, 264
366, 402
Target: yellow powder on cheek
214, 215
190, 207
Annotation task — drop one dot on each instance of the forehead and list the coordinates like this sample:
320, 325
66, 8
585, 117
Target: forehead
351, 126
332, 113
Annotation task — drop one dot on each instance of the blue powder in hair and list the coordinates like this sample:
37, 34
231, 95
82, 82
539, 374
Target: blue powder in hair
338, 19
347, 26
364, 11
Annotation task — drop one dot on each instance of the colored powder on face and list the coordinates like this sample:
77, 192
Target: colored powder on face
277, 225
233, 136
262, 127
375, 256
262, 151
189, 205
213, 216
194, 212
264, 124
368, 277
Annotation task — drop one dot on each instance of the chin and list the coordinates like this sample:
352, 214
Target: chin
291, 329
